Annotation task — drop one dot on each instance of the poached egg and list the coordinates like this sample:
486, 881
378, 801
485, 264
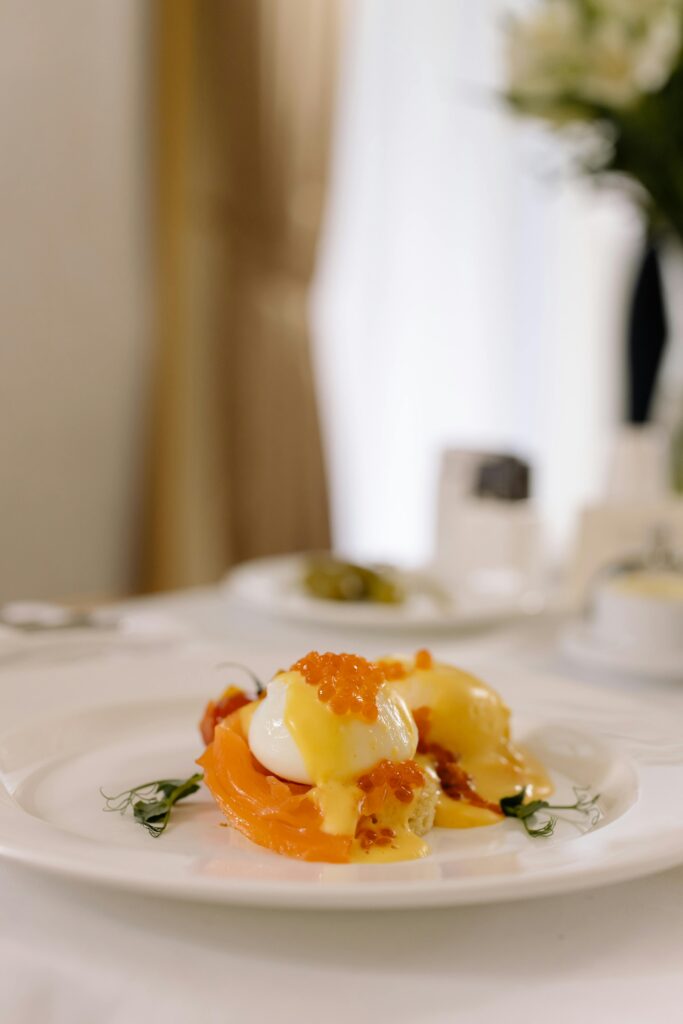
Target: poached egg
458, 713
298, 737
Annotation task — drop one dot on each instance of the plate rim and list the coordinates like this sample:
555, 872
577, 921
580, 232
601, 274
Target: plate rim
383, 895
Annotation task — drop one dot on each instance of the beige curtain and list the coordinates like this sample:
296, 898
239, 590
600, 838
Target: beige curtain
242, 113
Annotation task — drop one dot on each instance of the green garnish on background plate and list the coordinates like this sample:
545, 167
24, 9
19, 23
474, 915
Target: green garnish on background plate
334, 580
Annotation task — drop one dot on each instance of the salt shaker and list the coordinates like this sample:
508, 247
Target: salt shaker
488, 532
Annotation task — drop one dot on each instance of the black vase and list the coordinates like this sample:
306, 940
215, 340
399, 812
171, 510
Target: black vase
647, 334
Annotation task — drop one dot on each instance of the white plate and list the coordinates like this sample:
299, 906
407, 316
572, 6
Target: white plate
67, 733
581, 643
273, 586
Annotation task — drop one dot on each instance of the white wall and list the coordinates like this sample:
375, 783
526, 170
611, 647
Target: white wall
73, 293
469, 292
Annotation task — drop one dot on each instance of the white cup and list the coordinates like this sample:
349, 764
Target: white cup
641, 610
483, 546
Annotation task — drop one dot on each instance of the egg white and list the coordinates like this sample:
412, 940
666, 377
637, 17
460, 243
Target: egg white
362, 744
270, 740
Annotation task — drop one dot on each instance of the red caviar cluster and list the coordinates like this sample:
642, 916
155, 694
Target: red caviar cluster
347, 683
423, 720
368, 837
398, 777
231, 700
423, 659
395, 670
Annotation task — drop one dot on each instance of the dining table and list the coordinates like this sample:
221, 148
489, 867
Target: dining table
73, 952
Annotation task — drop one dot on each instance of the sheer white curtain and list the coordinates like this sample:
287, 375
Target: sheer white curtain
467, 292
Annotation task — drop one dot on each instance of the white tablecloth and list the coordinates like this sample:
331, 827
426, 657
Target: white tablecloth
71, 953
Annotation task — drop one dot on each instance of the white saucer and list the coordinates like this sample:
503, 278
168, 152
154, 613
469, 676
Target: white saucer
581, 643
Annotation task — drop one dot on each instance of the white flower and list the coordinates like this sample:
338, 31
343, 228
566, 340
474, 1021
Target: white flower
544, 52
623, 64
610, 75
634, 10
604, 52
658, 51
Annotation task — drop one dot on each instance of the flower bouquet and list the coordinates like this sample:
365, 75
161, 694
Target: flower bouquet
617, 67
610, 72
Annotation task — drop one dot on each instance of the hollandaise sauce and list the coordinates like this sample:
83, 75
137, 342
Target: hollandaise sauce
374, 806
464, 732
349, 760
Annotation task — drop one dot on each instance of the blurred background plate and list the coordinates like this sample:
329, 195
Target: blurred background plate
274, 586
108, 632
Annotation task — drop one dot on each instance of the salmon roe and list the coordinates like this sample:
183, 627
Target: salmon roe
368, 836
393, 670
423, 659
396, 670
399, 778
347, 683
231, 700
423, 720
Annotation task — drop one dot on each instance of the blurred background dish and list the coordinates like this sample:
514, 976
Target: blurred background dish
642, 610
276, 587
332, 579
339, 278
581, 643
633, 615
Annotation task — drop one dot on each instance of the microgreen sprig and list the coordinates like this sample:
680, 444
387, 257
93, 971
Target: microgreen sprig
260, 687
514, 807
152, 802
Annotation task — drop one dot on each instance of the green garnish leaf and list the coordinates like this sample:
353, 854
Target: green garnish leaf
510, 804
260, 687
514, 807
546, 829
152, 802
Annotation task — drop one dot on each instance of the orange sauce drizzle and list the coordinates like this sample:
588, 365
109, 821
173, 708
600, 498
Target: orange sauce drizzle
456, 783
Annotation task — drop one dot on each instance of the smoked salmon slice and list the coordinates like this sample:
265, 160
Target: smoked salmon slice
278, 815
